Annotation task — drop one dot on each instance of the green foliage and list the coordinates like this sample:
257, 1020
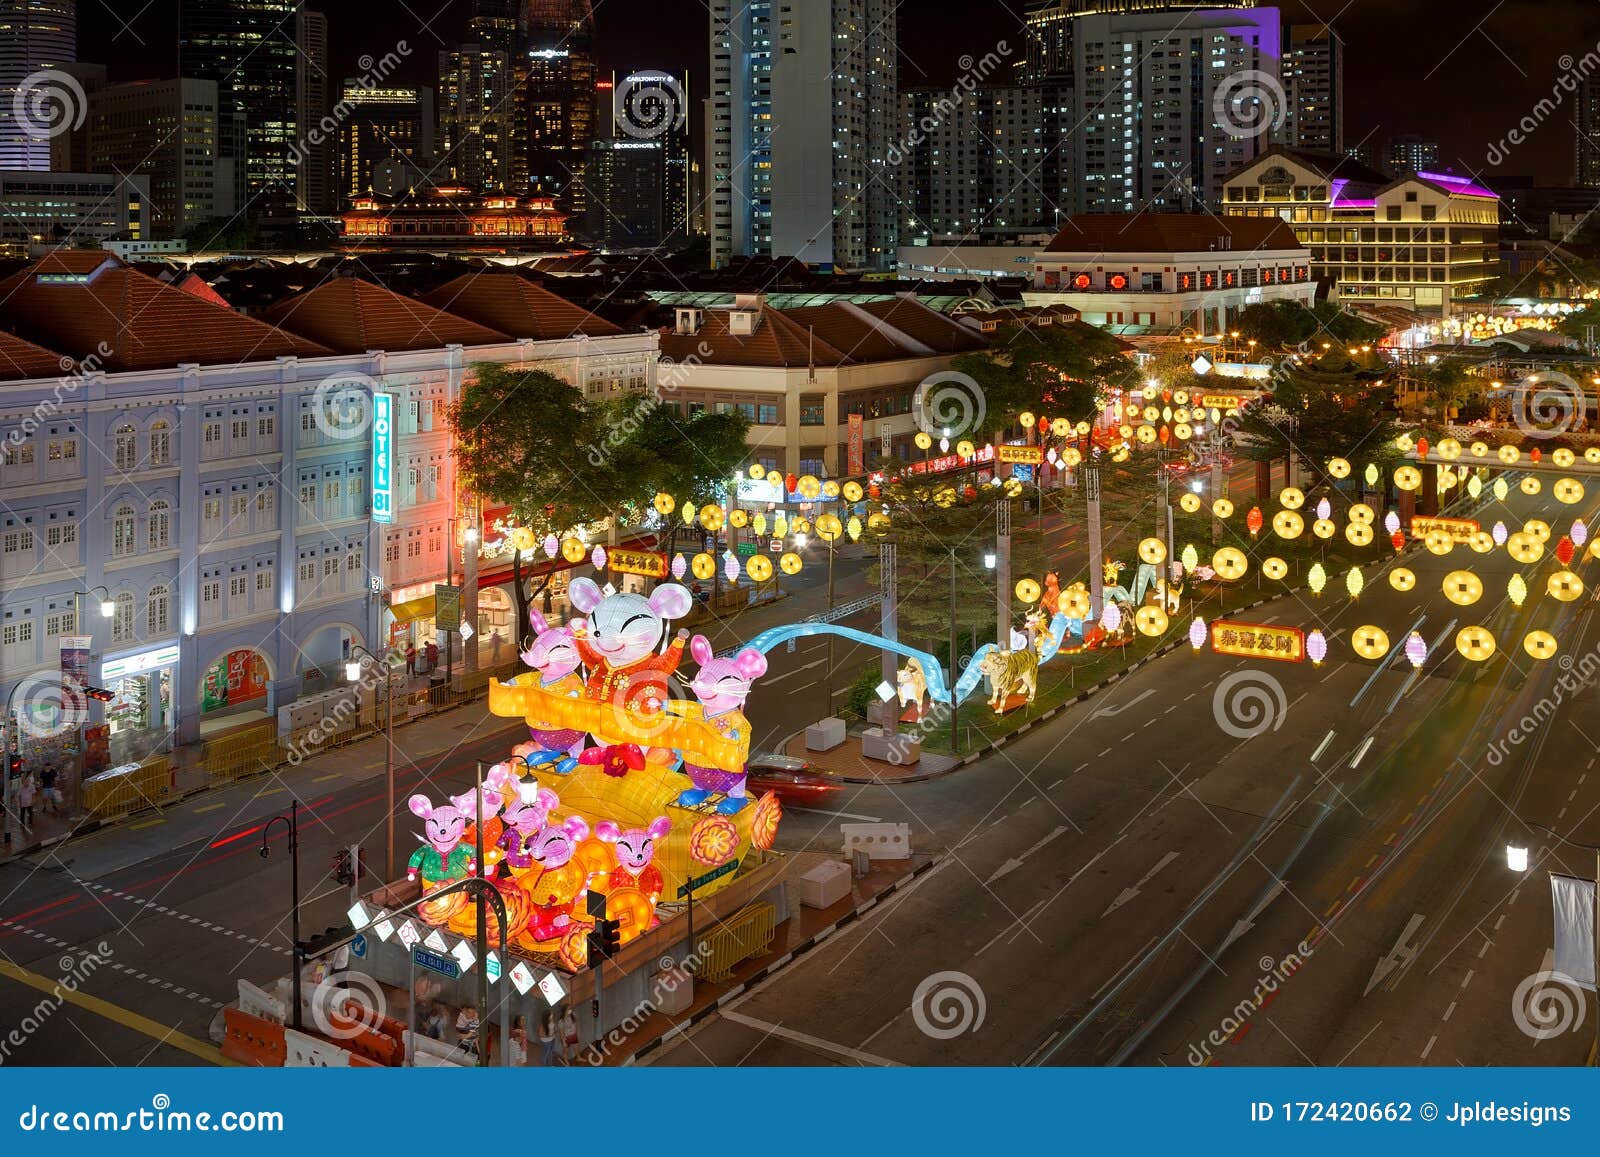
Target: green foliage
1277, 325
863, 691
1057, 370
1319, 415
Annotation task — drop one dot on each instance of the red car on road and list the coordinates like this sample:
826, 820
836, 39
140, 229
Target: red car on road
792, 780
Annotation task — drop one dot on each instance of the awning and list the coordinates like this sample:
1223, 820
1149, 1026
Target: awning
412, 610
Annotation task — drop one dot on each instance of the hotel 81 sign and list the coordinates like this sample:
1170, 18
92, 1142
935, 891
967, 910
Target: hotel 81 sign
382, 457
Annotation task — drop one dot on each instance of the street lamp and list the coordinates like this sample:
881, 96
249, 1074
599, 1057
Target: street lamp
291, 823
352, 673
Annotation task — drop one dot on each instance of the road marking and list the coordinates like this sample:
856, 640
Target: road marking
1366, 745
796, 671
1015, 862
269, 791
1467, 979
1129, 893
1321, 747
210, 807
1403, 953
147, 824
807, 1039
165, 1034
1428, 1048
812, 811
1121, 707
326, 778
1448, 1011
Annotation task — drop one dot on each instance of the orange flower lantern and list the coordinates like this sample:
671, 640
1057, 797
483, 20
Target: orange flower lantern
1254, 520
764, 823
713, 841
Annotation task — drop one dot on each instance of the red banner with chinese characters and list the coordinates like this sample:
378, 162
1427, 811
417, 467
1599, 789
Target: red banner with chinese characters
854, 454
1258, 641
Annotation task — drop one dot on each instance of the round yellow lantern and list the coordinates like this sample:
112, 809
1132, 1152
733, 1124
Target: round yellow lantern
1027, 591
1531, 485
1287, 524
1153, 551
1230, 562
830, 488
1564, 586
852, 491
1539, 644
1060, 427
1449, 449
1150, 621
1358, 534
1407, 477
1071, 456
1075, 603
1509, 455
1592, 455
1324, 528
1190, 502
1222, 508
1539, 528
1339, 467
1563, 457
711, 517
1362, 513
829, 527
758, 567
1481, 541
1146, 434
702, 566
1439, 542
966, 449
1567, 490
1524, 547
1370, 642
1274, 568
664, 502
573, 550
1462, 587
1479, 450
757, 471
808, 486
1013, 487
738, 519
878, 522
923, 439
1291, 498
1402, 579
789, 562
1475, 644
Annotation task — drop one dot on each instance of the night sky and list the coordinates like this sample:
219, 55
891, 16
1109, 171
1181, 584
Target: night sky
1461, 71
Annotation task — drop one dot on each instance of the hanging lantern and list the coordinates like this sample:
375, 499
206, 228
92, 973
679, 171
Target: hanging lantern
1539, 528
1407, 477
552, 545
1324, 508
1339, 468
1358, 533
1501, 489
1481, 541
789, 562
1563, 457
1362, 513
1153, 551
1316, 648
1422, 448
730, 566
664, 502
1398, 540
1462, 587
1474, 486
759, 524
1416, 650
1567, 490
1291, 498
1516, 590
1371, 474
1391, 522
1151, 621
1324, 528
598, 557
1222, 508
1475, 644
1579, 532
757, 471
572, 549
1509, 454
738, 519
1287, 524
1498, 533
1531, 485
1274, 568
702, 566
1564, 549
1438, 542
1402, 579
1027, 591
680, 566
1316, 578
1111, 618
851, 491
1564, 586
758, 567
1230, 562
1189, 501
1197, 633
1190, 557
1254, 520
712, 517
1353, 582
1370, 642
853, 528
1539, 644
1524, 547
689, 513
780, 526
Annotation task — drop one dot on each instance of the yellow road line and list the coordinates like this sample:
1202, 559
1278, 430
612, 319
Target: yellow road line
269, 791
155, 1030
210, 807
146, 824
326, 778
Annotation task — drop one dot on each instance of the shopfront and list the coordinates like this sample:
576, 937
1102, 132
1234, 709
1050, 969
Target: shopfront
140, 715
237, 681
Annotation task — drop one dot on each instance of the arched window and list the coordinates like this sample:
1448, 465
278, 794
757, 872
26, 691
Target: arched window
125, 447
157, 612
122, 526
160, 442
160, 525
122, 621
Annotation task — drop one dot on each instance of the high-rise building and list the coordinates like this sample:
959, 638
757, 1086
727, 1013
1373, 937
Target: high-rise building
1048, 31
314, 173
801, 119
35, 35
556, 117
165, 130
477, 108
248, 48
654, 106
390, 123
1409, 153
1586, 122
624, 180
1313, 85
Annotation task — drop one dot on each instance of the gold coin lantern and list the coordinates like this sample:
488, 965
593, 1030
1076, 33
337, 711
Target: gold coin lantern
1449, 449
1481, 541
1061, 427
1531, 485
1153, 551
1479, 450
830, 488
1274, 568
665, 503
1230, 562
1563, 457
1524, 547
1190, 502
852, 491
1407, 477
1463, 588
1402, 579
966, 449
923, 439
808, 486
711, 517
1075, 603
1339, 467
1287, 524
1150, 621
702, 566
1475, 644
1291, 498
1071, 456
1222, 508
1539, 644
1564, 586
1358, 534
1324, 528
757, 471
829, 527
1592, 455
1013, 487
1539, 528
1027, 591
878, 522
800, 526
758, 567
1362, 513
1147, 434
789, 562
1509, 455
1439, 542
738, 519
573, 550
1568, 490
1370, 642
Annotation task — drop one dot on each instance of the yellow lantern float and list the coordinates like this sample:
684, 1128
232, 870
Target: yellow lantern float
1274, 568
1539, 644
1402, 579
1150, 621
1222, 508
1287, 524
1230, 562
1190, 502
1027, 591
1291, 498
1153, 551
1564, 586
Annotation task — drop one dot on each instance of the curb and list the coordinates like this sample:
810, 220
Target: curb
761, 974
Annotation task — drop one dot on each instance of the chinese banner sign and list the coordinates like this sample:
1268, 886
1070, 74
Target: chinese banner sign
855, 457
1256, 641
650, 563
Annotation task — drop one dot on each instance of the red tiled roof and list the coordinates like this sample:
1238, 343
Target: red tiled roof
930, 327
514, 305
353, 316
1170, 233
851, 333
22, 359
201, 288
777, 341
130, 321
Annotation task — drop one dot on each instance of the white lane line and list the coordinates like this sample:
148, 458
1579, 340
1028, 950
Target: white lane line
809, 1041
1428, 1048
796, 671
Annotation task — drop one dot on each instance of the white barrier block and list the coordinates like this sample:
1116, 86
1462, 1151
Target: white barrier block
879, 841
302, 1051
259, 1002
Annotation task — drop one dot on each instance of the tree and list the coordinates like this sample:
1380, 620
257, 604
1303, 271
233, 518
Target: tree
1057, 370
1449, 389
1317, 416
1277, 325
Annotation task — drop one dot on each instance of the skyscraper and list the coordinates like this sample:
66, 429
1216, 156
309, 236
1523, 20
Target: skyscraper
624, 191
799, 134
248, 48
1313, 85
1049, 27
35, 35
652, 105
1410, 153
557, 84
477, 109
390, 123
314, 174
1586, 122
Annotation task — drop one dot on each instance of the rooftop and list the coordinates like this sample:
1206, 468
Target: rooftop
1170, 233
512, 304
352, 316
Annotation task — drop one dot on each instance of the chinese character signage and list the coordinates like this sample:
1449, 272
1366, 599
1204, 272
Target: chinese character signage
855, 457
1028, 455
650, 563
1222, 402
1460, 530
447, 607
1257, 641
382, 458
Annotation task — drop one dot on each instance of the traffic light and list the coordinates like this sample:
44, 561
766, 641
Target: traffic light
604, 941
347, 869
100, 694
14, 765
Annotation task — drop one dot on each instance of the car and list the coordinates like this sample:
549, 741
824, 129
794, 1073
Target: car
790, 779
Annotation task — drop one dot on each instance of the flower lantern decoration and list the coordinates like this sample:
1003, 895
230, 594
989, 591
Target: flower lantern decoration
1111, 618
680, 566
764, 821
713, 841
1254, 521
1498, 533
598, 557
1391, 522
1324, 508
552, 544
1579, 532
1564, 550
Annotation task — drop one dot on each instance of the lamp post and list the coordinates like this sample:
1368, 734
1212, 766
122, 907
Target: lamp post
291, 823
1517, 861
352, 673
951, 676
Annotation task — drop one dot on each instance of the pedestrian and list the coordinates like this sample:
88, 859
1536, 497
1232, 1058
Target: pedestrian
411, 658
547, 1040
25, 792
432, 654
519, 1042
569, 1035
467, 1028
496, 639
47, 787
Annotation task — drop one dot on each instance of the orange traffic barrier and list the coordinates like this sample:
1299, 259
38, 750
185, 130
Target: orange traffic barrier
375, 1020
363, 1041
250, 1040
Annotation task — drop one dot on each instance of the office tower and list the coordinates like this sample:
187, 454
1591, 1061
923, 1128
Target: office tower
654, 106
165, 130
35, 35
1313, 85
1409, 153
1586, 123
624, 186
556, 117
477, 108
800, 123
1048, 29
391, 123
248, 48
314, 172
